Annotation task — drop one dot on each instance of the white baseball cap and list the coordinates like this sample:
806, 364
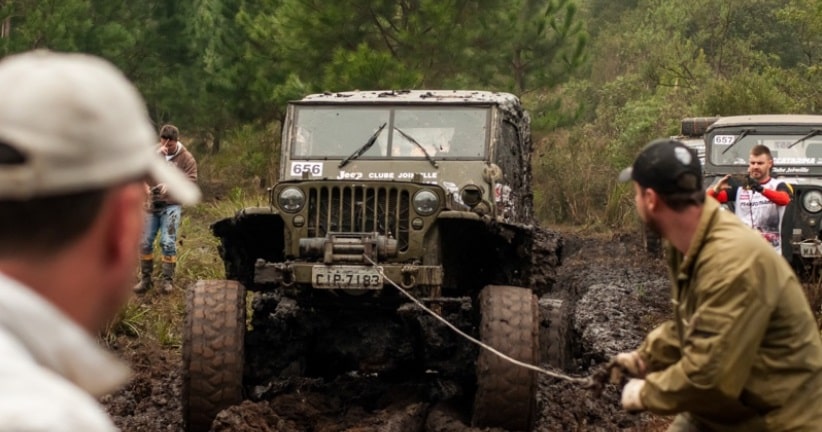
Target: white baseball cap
79, 125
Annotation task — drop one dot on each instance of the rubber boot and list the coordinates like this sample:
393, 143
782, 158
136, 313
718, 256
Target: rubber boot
166, 284
146, 269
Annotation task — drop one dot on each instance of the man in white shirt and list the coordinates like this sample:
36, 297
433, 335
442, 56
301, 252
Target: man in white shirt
762, 200
76, 145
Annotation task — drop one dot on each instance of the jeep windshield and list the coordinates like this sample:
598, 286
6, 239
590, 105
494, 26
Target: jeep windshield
337, 132
786, 149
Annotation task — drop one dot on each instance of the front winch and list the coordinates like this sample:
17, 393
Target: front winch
348, 247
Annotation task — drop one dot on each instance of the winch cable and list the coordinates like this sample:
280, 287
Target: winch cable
587, 381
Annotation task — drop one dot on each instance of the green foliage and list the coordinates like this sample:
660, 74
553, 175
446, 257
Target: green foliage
55, 24
216, 68
249, 158
365, 68
653, 63
520, 47
129, 321
597, 76
747, 93
804, 19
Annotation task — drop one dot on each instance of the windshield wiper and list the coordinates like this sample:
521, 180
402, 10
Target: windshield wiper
813, 133
744, 133
364, 148
410, 138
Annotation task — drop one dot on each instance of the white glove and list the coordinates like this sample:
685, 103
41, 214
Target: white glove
632, 363
631, 400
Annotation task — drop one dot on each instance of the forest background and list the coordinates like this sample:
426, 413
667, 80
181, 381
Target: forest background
600, 77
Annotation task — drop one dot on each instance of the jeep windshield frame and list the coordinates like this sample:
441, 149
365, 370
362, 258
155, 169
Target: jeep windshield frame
336, 131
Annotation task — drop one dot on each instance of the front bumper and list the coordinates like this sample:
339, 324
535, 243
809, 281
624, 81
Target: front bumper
808, 249
424, 279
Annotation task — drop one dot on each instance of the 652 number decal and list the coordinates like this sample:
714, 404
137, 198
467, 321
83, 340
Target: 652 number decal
314, 169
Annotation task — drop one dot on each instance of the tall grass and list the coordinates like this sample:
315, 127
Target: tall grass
575, 183
157, 317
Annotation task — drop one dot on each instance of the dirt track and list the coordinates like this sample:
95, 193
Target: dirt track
618, 294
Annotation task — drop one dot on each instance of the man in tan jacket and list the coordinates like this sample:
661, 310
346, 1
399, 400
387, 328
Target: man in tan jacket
742, 351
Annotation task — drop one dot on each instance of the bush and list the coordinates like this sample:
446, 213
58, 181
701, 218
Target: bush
248, 159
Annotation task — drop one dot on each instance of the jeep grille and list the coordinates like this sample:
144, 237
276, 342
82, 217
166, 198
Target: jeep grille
359, 209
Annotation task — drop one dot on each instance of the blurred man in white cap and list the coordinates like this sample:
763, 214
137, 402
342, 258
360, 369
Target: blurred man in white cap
742, 351
76, 146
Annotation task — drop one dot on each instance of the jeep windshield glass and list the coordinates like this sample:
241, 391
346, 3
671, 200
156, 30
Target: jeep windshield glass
813, 133
338, 131
365, 147
744, 133
416, 143
787, 149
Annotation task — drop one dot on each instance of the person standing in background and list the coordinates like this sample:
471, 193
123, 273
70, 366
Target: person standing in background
760, 203
164, 213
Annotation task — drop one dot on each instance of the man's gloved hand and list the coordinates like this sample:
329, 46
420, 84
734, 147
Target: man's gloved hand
630, 363
631, 400
754, 184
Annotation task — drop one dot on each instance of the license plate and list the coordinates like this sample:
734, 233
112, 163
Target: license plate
809, 250
345, 277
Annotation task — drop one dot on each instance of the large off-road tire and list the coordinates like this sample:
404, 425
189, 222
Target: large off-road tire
506, 393
213, 337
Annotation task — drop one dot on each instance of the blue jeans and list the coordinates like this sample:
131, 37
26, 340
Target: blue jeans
167, 221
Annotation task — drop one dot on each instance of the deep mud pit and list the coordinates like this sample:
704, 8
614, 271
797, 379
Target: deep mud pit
615, 294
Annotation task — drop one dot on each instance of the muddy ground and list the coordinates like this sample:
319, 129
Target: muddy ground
617, 293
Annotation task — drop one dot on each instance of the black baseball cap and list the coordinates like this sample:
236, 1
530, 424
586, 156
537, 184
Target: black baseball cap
666, 166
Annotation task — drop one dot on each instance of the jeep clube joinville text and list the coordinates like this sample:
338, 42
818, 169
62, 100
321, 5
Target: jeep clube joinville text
795, 142
430, 190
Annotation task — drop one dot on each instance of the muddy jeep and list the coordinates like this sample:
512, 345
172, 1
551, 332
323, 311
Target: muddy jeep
795, 142
385, 196
692, 134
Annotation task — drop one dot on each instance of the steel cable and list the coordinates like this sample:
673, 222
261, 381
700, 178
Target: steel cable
583, 381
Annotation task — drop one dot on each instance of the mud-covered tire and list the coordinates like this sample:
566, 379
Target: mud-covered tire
554, 342
506, 393
546, 256
213, 337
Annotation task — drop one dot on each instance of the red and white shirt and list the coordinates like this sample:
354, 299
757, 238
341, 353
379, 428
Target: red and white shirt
762, 211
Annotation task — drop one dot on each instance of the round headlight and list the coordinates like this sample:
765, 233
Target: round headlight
471, 195
426, 202
291, 199
812, 201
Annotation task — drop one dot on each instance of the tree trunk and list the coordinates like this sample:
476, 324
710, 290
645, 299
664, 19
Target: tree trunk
215, 145
5, 27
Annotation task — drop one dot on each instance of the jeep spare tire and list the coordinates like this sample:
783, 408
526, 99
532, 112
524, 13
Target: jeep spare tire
506, 393
213, 337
